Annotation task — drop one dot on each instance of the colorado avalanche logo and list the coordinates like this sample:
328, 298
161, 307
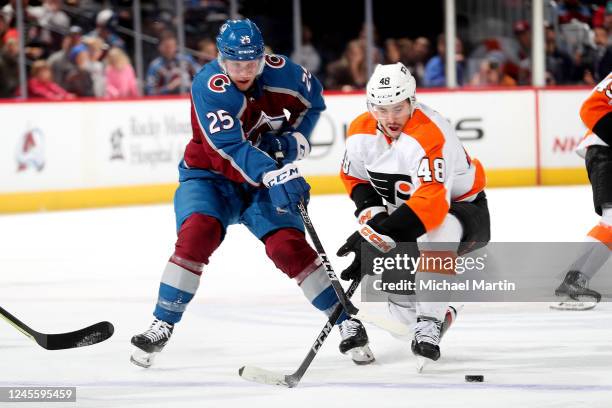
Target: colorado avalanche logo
30, 152
218, 83
275, 61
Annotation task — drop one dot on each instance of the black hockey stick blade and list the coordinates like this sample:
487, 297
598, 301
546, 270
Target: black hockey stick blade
80, 338
88, 336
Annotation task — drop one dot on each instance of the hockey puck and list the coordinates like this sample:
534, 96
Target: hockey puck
474, 378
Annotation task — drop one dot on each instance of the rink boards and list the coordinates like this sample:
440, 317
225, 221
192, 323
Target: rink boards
57, 155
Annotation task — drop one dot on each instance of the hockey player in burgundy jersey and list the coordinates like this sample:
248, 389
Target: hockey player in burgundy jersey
411, 181
246, 107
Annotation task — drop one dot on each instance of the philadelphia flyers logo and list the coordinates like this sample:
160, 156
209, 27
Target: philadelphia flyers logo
275, 61
218, 83
395, 188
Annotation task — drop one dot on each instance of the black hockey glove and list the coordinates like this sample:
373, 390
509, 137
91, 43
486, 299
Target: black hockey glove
377, 242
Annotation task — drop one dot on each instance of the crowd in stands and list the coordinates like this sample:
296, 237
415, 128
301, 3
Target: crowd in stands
78, 48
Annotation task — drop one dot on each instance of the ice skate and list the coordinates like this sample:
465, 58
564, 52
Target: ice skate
355, 342
576, 292
425, 345
150, 343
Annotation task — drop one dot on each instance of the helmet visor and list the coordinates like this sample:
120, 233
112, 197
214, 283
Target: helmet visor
248, 68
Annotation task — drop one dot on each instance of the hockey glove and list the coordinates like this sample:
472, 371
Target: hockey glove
293, 145
366, 233
287, 188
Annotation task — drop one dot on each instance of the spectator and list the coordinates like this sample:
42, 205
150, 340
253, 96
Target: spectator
491, 74
171, 71
41, 84
3, 29
120, 77
207, 51
392, 51
59, 61
580, 46
435, 69
52, 20
569, 10
105, 21
417, 58
309, 57
10, 17
79, 81
558, 62
95, 47
9, 65
520, 66
349, 72
602, 61
607, 20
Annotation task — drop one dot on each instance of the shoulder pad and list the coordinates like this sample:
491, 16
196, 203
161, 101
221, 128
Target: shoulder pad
280, 71
214, 89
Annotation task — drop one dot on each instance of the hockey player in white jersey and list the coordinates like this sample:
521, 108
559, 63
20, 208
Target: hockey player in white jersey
411, 181
595, 148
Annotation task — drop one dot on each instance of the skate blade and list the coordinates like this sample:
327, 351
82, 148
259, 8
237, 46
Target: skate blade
362, 355
573, 305
421, 362
142, 358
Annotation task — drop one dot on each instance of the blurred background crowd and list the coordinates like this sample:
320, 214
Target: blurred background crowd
86, 48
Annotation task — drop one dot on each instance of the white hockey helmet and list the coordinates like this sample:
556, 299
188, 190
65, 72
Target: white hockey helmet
390, 84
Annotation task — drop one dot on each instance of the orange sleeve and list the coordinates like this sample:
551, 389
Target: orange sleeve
362, 124
429, 204
351, 182
429, 201
597, 104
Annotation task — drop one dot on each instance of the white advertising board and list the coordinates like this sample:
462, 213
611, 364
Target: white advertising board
80, 145
138, 143
41, 147
486, 122
496, 127
561, 128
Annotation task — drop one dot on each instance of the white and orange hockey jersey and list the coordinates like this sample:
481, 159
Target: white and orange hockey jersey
426, 167
596, 106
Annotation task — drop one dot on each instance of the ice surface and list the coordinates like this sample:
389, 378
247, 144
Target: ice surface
61, 271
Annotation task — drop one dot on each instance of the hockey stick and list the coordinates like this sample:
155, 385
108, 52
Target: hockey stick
385, 324
391, 326
263, 376
342, 297
344, 300
84, 337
